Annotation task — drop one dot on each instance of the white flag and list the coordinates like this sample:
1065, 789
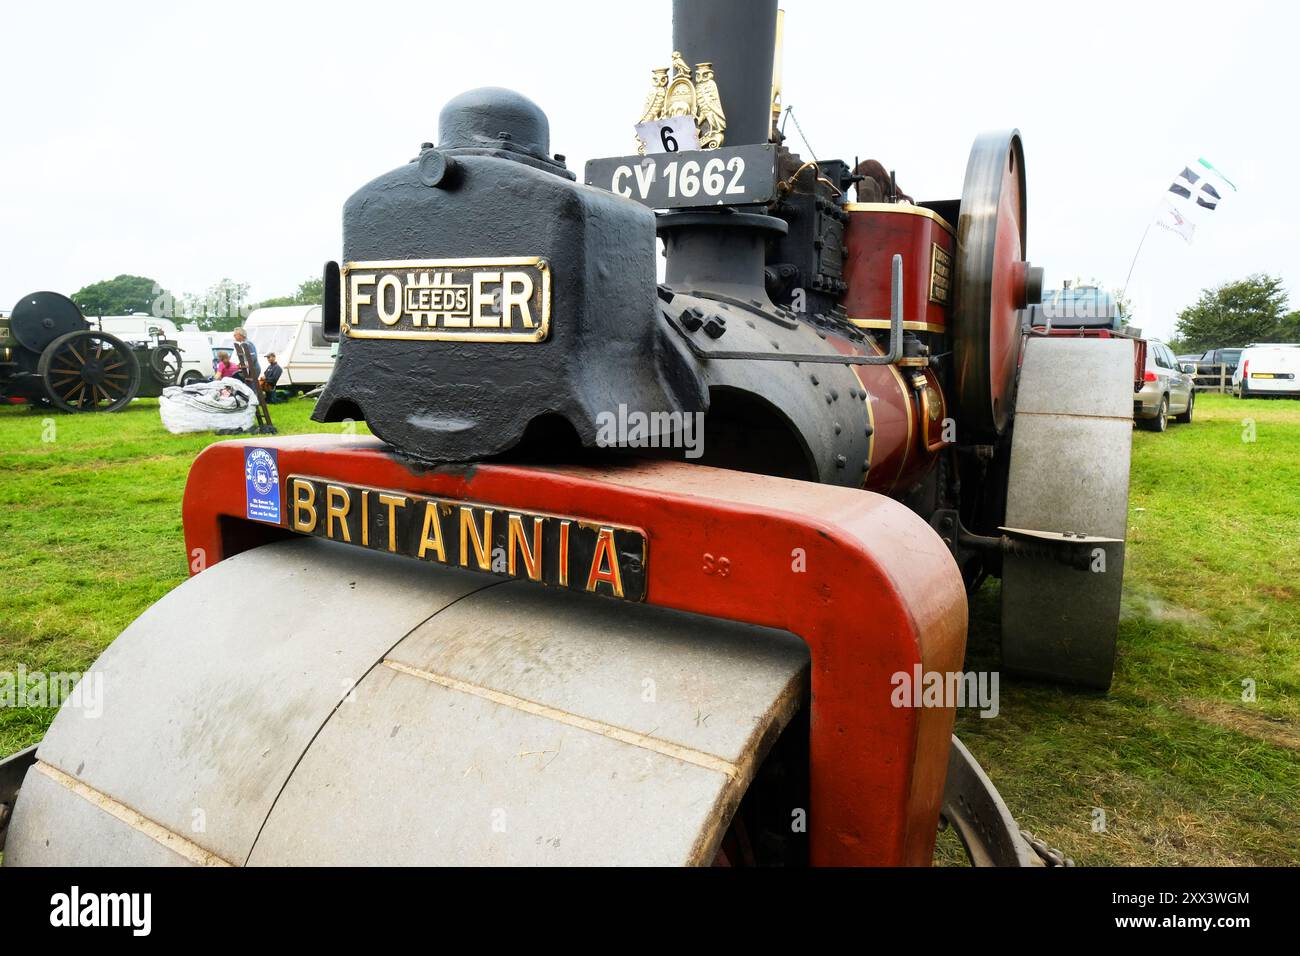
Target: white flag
1170, 217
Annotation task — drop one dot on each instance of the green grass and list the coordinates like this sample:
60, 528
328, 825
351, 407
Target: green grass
1185, 771
90, 520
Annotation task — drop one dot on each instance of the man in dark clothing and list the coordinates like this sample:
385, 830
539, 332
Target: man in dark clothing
270, 376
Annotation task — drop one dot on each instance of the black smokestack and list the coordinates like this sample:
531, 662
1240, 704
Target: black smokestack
739, 38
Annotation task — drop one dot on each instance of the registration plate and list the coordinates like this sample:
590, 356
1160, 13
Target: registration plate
732, 176
561, 551
483, 300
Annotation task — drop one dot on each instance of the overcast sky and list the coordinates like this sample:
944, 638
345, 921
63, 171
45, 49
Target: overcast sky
188, 142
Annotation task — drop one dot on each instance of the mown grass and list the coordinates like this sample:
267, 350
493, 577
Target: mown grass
90, 534
1184, 769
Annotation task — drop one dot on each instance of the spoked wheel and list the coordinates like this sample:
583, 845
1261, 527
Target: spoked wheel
89, 371
165, 363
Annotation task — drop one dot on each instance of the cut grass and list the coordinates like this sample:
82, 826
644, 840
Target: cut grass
1185, 771
90, 517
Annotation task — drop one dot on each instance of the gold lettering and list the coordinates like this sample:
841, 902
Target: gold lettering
304, 504
516, 290
356, 298
482, 298
332, 511
532, 556
564, 554
605, 552
393, 502
432, 542
389, 281
365, 518
483, 545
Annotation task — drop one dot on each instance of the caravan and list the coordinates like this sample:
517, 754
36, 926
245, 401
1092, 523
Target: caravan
293, 333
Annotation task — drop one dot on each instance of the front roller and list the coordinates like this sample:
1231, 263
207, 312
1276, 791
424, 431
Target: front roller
457, 720
405, 710
1070, 449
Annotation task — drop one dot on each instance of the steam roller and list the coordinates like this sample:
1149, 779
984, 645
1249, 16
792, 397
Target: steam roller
633, 571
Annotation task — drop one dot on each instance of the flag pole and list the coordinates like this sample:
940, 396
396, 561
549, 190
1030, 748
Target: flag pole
1142, 241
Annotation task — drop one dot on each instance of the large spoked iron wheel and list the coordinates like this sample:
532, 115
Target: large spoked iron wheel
89, 371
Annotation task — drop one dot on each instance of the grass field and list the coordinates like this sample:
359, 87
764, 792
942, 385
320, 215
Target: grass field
1183, 768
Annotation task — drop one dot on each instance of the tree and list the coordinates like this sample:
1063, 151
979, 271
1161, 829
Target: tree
1234, 314
221, 309
123, 296
310, 292
1289, 328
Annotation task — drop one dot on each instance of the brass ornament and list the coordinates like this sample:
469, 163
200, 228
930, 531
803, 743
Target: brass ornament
673, 92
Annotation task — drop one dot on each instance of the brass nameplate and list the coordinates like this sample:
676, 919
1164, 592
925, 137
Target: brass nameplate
549, 549
940, 275
446, 300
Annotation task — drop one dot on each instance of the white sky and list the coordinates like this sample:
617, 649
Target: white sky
188, 142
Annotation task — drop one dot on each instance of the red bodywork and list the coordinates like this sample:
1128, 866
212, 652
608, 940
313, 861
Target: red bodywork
875, 232
879, 596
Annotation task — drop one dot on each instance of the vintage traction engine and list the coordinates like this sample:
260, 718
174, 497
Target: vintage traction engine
500, 641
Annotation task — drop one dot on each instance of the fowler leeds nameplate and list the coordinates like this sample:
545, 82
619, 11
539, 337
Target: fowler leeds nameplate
476, 300
549, 549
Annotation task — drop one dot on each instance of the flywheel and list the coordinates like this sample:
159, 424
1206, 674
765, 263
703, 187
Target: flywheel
994, 283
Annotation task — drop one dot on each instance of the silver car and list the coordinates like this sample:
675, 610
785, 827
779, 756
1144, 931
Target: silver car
1168, 388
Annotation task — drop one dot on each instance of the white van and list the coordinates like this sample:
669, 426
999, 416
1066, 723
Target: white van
1268, 370
293, 333
196, 350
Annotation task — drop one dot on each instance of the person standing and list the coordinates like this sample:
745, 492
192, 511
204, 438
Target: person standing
251, 372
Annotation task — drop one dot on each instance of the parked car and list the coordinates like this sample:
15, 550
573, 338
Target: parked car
1268, 370
1208, 364
1167, 389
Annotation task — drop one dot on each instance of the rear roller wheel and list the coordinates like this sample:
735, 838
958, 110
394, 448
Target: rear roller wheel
89, 371
1069, 472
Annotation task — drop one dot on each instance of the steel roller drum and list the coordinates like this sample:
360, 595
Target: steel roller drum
401, 713
1070, 451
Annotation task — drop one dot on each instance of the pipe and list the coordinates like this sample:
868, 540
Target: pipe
739, 38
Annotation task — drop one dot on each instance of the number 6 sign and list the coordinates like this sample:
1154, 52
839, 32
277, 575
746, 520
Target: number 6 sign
669, 135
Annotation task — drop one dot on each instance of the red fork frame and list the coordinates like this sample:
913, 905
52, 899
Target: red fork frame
879, 594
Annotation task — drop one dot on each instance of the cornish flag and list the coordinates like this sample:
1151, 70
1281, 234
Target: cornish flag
1192, 190
1191, 186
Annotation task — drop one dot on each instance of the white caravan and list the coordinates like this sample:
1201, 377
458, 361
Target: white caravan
293, 333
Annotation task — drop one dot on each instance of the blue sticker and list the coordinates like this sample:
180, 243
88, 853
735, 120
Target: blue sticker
262, 478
